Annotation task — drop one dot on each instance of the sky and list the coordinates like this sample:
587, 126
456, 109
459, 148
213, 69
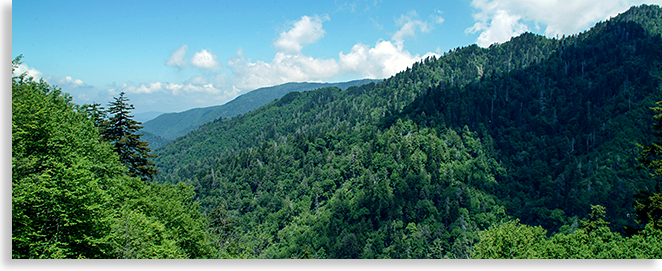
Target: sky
170, 56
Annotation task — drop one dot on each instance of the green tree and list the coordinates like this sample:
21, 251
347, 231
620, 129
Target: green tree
73, 198
510, 240
122, 132
59, 171
648, 204
595, 218
651, 155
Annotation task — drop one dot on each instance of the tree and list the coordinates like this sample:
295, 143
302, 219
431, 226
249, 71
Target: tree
59, 170
72, 196
651, 155
510, 240
595, 218
122, 132
647, 204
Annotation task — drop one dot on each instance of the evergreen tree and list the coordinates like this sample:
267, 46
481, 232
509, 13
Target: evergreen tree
648, 204
122, 132
651, 155
95, 112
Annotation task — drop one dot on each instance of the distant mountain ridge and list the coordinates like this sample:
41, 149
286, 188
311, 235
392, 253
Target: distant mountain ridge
172, 125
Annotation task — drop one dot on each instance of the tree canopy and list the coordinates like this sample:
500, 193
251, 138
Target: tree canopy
526, 149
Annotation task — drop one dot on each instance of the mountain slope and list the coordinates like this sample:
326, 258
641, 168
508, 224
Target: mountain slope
173, 125
535, 128
324, 109
567, 128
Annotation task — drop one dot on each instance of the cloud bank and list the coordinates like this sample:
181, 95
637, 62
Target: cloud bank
382, 60
499, 20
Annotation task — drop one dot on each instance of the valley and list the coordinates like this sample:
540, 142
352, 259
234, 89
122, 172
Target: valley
531, 148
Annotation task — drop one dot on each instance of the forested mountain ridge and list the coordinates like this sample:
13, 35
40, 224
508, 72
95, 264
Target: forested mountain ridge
526, 149
172, 125
323, 109
567, 127
417, 165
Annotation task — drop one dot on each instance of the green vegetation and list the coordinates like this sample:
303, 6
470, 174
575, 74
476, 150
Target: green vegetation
526, 149
72, 197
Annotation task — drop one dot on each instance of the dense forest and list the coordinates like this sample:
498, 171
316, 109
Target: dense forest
534, 148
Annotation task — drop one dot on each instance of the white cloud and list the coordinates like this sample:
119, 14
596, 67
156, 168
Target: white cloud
142, 88
283, 68
387, 58
196, 84
499, 20
206, 60
31, 72
177, 57
67, 81
289, 64
501, 28
305, 31
409, 24
383, 60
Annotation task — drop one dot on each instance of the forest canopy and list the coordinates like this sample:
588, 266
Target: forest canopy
533, 148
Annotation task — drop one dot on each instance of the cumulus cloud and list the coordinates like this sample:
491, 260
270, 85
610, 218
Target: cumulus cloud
289, 64
382, 60
499, 20
387, 58
206, 60
501, 28
177, 57
31, 72
305, 31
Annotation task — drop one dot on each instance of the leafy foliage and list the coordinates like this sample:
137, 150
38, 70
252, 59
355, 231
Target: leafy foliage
512, 240
73, 198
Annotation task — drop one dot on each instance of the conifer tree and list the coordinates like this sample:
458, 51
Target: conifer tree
648, 204
122, 132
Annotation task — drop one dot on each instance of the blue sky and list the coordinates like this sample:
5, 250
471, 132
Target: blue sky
170, 56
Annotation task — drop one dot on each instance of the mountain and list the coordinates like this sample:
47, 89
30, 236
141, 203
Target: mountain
173, 125
420, 164
146, 116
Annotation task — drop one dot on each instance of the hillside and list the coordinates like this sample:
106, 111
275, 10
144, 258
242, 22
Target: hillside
330, 108
534, 148
415, 166
172, 125
566, 128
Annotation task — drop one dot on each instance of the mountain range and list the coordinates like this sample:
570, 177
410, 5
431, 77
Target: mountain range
169, 126
418, 165
533, 148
